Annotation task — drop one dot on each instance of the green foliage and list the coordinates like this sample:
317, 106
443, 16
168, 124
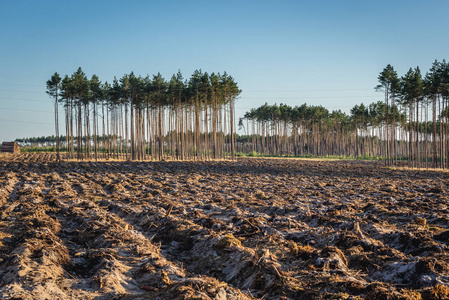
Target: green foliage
311, 156
249, 154
37, 149
53, 85
414, 116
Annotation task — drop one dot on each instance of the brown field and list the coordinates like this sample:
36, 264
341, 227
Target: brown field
245, 229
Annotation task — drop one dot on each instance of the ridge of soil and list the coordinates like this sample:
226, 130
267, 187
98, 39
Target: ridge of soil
244, 229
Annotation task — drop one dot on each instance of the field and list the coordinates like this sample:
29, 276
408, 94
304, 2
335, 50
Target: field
244, 229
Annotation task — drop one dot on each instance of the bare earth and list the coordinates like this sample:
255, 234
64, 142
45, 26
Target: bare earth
245, 229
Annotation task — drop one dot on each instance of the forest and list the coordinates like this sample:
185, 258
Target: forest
141, 118
411, 124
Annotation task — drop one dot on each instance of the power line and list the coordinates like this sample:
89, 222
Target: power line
17, 109
244, 91
13, 91
294, 91
17, 121
307, 97
31, 100
333, 107
249, 98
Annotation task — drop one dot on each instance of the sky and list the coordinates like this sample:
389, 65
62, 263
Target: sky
323, 52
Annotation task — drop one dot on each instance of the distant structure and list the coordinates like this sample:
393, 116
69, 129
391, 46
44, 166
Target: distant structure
10, 147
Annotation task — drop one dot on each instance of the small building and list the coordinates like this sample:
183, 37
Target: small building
10, 147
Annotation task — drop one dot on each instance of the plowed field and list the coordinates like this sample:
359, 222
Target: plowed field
245, 229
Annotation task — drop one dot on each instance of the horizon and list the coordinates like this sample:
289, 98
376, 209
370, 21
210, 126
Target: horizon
291, 52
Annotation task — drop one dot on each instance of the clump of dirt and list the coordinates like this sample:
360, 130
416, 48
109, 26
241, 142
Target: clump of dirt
300, 251
382, 292
437, 292
442, 237
228, 241
271, 229
331, 258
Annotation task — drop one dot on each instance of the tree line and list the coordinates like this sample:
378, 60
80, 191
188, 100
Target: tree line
33, 141
140, 118
314, 130
411, 123
151, 118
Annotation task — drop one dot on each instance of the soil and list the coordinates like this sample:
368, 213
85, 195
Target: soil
244, 229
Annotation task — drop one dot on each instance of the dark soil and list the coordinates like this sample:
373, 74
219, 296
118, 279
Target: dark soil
251, 228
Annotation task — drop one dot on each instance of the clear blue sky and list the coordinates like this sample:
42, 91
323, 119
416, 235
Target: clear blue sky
320, 52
